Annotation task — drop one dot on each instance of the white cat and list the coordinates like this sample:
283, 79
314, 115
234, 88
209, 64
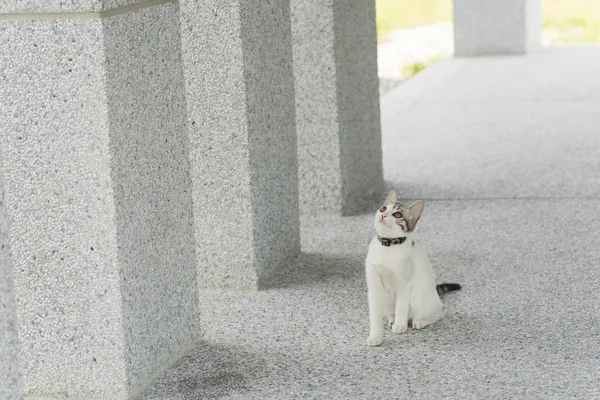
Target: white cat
400, 278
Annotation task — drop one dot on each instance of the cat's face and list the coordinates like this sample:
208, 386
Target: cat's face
394, 220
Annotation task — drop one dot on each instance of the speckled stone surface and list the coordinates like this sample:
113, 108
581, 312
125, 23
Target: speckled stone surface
149, 146
337, 105
10, 374
59, 6
526, 324
98, 188
241, 117
489, 27
59, 192
497, 127
112, 4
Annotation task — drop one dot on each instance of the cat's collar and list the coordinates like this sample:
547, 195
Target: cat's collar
387, 242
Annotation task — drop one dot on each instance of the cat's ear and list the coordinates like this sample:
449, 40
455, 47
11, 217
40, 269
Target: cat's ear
416, 209
391, 198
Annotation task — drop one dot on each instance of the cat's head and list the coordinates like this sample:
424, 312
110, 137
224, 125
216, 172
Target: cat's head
394, 220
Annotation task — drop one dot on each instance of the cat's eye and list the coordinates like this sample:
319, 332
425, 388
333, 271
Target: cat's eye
383, 209
397, 214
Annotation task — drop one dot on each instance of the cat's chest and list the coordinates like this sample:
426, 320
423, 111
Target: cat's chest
392, 258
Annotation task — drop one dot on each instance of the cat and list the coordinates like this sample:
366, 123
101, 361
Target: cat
400, 278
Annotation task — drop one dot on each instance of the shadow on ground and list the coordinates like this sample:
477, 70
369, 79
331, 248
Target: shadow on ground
310, 268
209, 372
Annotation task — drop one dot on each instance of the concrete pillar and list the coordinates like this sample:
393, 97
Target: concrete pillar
98, 187
492, 27
10, 378
337, 105
240, 102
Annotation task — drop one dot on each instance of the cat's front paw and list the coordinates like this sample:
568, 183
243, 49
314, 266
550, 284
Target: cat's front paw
374, 341
420, 323
390, 322
399, 328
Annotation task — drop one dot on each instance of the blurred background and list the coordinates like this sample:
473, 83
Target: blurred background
414, 34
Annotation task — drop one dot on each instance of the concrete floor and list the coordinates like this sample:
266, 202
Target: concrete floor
506, 152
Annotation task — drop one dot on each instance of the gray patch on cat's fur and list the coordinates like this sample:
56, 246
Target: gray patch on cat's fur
403, 222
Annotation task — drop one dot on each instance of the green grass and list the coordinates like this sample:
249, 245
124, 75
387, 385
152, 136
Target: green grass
401, 14
418, 66
574, 21
569, 21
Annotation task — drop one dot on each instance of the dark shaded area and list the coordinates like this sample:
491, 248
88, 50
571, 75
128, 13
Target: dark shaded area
310, 268
208, 372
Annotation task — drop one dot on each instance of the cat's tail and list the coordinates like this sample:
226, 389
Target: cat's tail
447, 287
